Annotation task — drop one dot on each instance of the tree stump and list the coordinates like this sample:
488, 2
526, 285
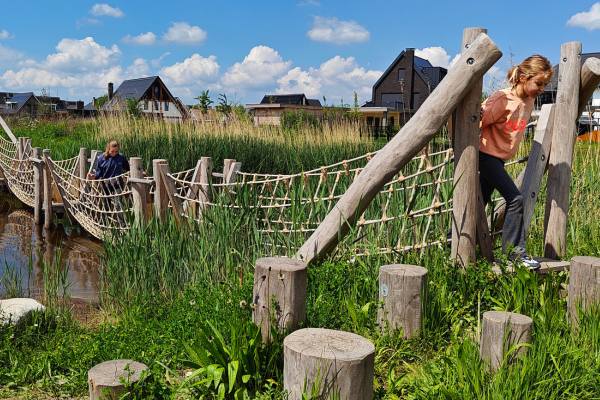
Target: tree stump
106, 380
402, 288
501, 331
280, 293
326, 362
584, 285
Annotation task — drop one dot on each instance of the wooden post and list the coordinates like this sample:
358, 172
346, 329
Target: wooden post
47, 190
537, 162
590, 80
94, 160
563, 144
20, 148
38, 185
466, 167
403, 290
189, 206
484, 237
236, 167
205, 193
279, 293
417, 132
7, 130
584, 286
331, 364
226, 166
501, 331
161, 199
105, 380
83, 165
139, 191
170, 189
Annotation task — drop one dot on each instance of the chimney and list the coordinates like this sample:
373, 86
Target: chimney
110, 90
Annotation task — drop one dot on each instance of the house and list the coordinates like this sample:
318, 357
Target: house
29, 105
272, 106
400, 91
152, 96
590, 118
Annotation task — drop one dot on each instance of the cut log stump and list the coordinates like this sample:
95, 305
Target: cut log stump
501, 332
584, 285
106, 381
402, 288
328, 364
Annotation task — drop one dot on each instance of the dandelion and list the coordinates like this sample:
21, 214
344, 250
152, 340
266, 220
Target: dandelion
243, 304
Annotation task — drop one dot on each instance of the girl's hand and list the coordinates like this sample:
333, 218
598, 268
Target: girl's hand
91, 176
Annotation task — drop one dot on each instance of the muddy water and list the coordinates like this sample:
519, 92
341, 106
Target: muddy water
26, 249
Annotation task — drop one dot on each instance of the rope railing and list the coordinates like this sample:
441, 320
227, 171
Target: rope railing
17, 170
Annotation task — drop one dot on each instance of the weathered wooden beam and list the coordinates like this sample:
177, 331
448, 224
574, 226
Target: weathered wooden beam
421, 128
466, 167
205, 192
501, 332
161, 199
38, 184
584, 286
169, 184
47, 190
236, 167
590, 80
563, 144
139, 190
190, 206
7, 130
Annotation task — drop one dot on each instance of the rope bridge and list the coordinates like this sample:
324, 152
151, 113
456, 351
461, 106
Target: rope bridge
17, 170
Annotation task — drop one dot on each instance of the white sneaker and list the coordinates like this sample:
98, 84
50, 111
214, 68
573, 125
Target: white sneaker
528, 262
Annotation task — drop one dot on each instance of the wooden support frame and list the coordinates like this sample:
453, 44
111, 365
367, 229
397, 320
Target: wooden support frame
169, 184
161, 200
38, 184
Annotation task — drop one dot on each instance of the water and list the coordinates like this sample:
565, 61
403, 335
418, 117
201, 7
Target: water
25, 247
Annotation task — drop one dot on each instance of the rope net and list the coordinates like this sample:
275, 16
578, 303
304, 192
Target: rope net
411, 212
18, 172
101, 206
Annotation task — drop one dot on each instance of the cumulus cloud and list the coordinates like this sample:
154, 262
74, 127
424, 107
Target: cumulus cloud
437, 56
333, 30
84, 54
138, 69
9, 56
104, 10
184, 33
4, 34
337, 78
589, 20
261, 67
193, 70
143, 39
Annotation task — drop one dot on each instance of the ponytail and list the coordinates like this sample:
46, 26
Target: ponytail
528, 68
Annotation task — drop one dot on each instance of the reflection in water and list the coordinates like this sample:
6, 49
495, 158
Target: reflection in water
24, 246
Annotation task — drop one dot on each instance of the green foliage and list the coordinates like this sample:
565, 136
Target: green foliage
204, 101
295, 121
100, 101
133, 108
224, 105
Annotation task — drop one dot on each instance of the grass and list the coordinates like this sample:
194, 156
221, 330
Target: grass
167, 292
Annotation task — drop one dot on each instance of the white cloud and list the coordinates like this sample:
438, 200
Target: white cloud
337, 78
103, 9
332, 30
4, 34
9, 56
437, 56
589, 20
84, 55
138, 69
184, 33
143, 39
261, 67
194, 70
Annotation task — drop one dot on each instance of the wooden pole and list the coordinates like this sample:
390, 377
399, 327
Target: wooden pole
226, 166
205, 193
417, 132
590, 80
563, 144
466, 167
38, 185
236, 167
189, 206
7, 130
47, 191
83, 164
161, 199
403, 291
584, 286
170, 189
138, 190
501, 331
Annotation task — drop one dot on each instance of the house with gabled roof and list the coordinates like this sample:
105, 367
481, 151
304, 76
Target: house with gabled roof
152, 96
19, 104
401, 90
272, 107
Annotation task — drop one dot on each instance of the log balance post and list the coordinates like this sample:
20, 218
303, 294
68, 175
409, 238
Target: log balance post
139, 190
334, 364
38, 184
584, 286
403, 290
501, 332
417, 132
279, 294
83, 163
106, 380
47, 176
169, 185
466, 166
563, 144
161, 199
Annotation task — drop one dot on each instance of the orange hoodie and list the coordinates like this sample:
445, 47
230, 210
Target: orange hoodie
503, 121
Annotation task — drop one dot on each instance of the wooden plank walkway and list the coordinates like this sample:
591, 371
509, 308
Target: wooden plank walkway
548, 265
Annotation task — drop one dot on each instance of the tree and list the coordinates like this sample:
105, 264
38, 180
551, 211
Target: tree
133, 108
100, 101
204, 101
224, 105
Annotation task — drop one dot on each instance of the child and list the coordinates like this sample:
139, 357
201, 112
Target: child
505, 115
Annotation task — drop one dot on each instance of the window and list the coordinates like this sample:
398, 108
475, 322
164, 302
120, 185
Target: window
401, 74
166, 106
146, 105
156, 106
391, 99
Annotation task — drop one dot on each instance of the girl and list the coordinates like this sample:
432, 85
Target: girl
505, 115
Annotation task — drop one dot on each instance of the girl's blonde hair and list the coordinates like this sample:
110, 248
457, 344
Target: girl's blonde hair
529, 67
110, 144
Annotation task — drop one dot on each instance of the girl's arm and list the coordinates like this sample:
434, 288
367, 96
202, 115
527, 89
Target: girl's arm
493, 109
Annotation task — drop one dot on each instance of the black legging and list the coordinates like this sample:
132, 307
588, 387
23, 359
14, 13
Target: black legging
492, 175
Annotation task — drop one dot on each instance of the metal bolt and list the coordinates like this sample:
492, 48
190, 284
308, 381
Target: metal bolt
533, 195
564, 59
473, 118
470, 61
384, 290
543, 157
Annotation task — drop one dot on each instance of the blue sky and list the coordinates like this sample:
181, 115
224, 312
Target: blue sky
246, 49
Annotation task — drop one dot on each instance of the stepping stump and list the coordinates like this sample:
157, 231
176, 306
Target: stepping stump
402, 288
106, 380
501, 331
330, 363
584, 285
279, 293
